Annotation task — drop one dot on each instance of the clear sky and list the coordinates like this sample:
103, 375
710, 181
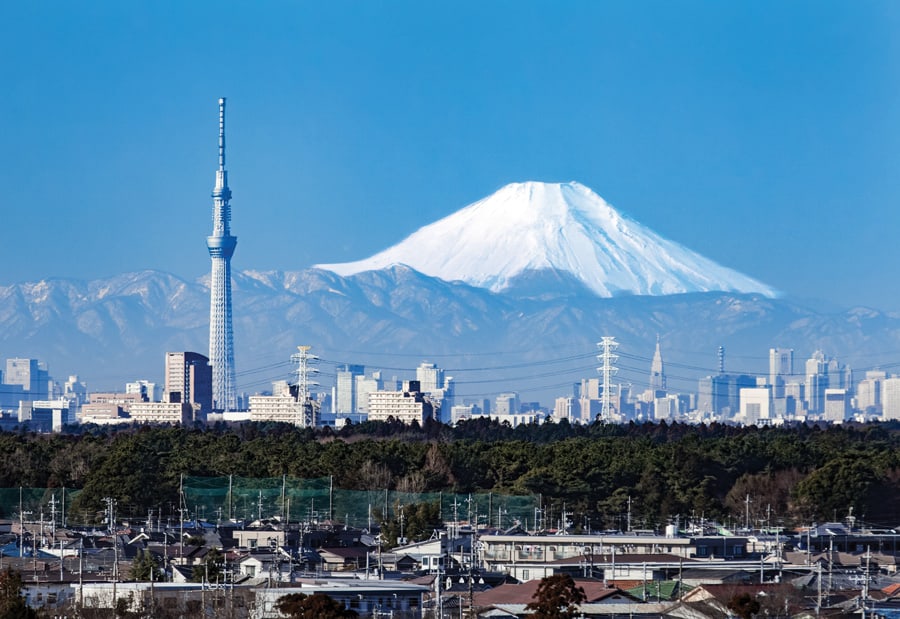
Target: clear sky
762, 134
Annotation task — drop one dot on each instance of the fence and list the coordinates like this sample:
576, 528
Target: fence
316, 500
35, 504
295, 499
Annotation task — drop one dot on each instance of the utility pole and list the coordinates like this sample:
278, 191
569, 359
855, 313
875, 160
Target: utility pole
628, 520
53, 503
747, 512
21, 526
111, 516
472, 542
865, 591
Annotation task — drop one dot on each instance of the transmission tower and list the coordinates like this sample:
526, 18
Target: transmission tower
607, 371
306, 408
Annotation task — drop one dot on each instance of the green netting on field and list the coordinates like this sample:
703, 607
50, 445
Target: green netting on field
314, 500
32, 503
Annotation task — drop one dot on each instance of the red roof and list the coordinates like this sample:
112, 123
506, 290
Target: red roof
523, 593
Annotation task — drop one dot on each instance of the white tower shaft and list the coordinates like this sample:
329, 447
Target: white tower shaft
221, 247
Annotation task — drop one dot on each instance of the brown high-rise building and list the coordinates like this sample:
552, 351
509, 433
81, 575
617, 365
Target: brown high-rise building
189, 380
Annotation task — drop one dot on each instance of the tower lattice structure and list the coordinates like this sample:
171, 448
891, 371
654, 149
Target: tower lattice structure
607, 357
305, 406
221, 246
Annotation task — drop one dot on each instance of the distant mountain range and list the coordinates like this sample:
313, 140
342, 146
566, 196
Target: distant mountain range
543, 299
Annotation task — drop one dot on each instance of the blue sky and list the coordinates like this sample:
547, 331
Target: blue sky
764, 135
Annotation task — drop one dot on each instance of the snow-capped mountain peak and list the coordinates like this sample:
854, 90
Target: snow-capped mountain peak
564, 228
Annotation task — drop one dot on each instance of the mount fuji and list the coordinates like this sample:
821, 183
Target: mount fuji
526, 231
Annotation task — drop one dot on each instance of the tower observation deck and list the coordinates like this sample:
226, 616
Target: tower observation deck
221, 246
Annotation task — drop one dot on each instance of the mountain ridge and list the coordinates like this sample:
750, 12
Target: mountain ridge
118, 329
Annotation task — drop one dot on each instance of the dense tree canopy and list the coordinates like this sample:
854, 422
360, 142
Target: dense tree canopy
662, 471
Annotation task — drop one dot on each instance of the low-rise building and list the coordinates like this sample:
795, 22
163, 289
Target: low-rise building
407, 406
162, 412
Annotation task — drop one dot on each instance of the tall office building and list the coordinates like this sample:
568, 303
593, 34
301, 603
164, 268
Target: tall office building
868, 392
890, 399
221, 247
438, 387
781, 369
345, 400
430, 377
364, 386
189, 380
816, 382
31, 374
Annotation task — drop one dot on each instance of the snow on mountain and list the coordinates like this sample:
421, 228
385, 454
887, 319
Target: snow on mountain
565, 230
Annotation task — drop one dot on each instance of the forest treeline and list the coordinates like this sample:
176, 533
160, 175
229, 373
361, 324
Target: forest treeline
792, 476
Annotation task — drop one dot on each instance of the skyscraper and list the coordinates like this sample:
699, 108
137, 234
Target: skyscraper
657, 372
781, 367
345, 388
221, 247
188, 380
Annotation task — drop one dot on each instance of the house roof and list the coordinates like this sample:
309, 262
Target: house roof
523, 593
724, 593
648, 558
353, 552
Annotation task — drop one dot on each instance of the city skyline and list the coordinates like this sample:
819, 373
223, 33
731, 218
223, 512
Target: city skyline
762, 136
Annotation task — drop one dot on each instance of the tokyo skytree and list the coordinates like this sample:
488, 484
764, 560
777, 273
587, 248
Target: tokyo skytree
221, 247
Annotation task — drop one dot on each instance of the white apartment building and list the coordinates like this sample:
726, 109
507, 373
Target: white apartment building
756, 405
563, 408
284, 409
162, 412
837, 405
404, 406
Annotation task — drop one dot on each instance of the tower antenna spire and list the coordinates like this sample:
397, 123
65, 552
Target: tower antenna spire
222, 133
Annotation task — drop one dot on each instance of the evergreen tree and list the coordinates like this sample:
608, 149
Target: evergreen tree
144, 567
12, 604
557, 597
211, 568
